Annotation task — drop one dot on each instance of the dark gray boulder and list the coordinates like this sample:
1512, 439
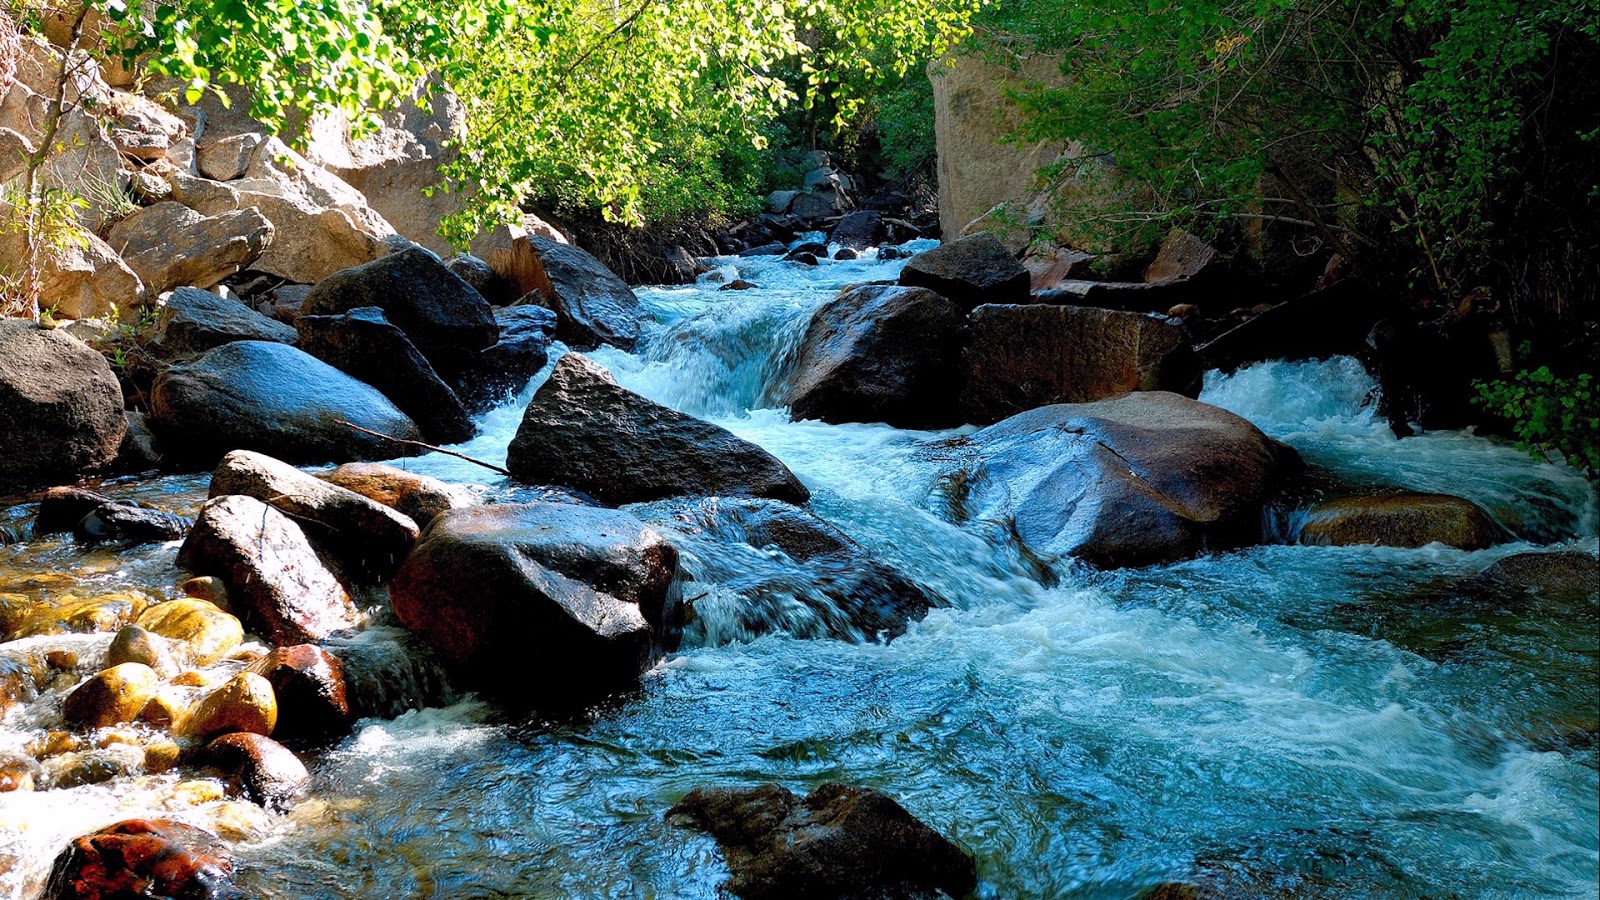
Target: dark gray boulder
543, 604
859, 230
504, 369
584, 431
194, 321
125, 523
594, 306
366, 346
444, 316
971, 271
60, 407
881, 353
277, 399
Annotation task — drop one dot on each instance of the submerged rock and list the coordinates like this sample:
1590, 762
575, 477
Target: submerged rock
1558, 577
593, 305
62, 508
542, 604
266, 771
584, 431
1401, 519
1144, 478
881, 353
840, 841
60, 406
500, 371
971, 271
388, 671
271, 570
274, 398
144, 858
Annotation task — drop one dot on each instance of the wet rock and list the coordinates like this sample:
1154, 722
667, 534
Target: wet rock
776, 248
1558, 577
542, 604
271, 570
846, 254
1023, 357
778, 559
244, 703
881, 353
444, 317
139, 452
388, 671
134, 644
169, 245
840, 841
859, 230
62, 508
504, 369
1048, 267
94, 766
206, 633
1144, 478
116, 695
416, 496
128, 524
194, 321
364, 345
268, 772
18, 773
970, 271
144, 858
208, 588
80, 615
1402, 519
60, 406
803, 259
276, 399
583, 431
812, 249
593, 305
370, 537
738, 284
495, 287
308, 683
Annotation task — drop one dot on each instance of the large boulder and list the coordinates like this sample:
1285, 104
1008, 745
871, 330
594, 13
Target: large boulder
592, 304
501, 371
169, 245
194, 321
82, 278
542, 604
308, 683
1399, 519
418, 497
60, 406
200, 629
276, 399
584, 431
366, 346
271, 570
781, 568
244, 702
1557, 577
142, 128
445, 317
970, 271
840, 841
1143, 478
1022, 357
144, 858
321, 225
265, 770
859, 230
369, 538
881, 353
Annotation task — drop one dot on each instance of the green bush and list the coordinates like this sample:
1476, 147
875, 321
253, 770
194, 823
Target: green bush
1547, 412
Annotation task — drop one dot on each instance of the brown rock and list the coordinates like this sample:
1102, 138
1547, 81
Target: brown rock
308, 683
417, 496
18, 773
62, 508
267, 772
1557, 577
143, 858
244, 703
138, 645
80, 615
1399, 520
116, 695
208, 588
206, 633
169, 245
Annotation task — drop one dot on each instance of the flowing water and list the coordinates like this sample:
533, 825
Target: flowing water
1290, 721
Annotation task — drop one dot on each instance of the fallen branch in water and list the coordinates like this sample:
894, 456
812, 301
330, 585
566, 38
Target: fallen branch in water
410, 443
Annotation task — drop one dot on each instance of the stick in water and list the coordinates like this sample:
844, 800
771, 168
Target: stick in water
390, 437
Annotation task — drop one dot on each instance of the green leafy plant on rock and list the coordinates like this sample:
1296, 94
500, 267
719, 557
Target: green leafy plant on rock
1548, 413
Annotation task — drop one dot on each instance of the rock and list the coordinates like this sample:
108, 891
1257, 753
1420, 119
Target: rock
364, 345
60, 406
496, 288
204, 196
322, 225
442, 315
1134, 296
778, 202
62, 508
971, 271
18, 773
128, 524
776, 248
206, 634
228, 158
814, 205
389, 671
1022, 357
267, 772
777, 559
271, 570
367, 536
144, 858
803, 259
593, 306
81, 278
809, 248
1401, 519
859, 230
1557, 577
1048, 268
503, 370
1182, 257
194, 321
542, 604
138, 645
881, 353
288, 302
115, 695
138, 452
417, 496
208, 588
308, 683
840, 841
244, 703
1143, 478
846, 254
508, 249
274, 398
738, 284
169, 245
79, 615
583, 431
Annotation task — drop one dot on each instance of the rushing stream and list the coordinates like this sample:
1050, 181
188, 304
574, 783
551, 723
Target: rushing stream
1302, 721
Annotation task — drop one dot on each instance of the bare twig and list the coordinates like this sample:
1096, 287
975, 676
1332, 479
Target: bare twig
410, 443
